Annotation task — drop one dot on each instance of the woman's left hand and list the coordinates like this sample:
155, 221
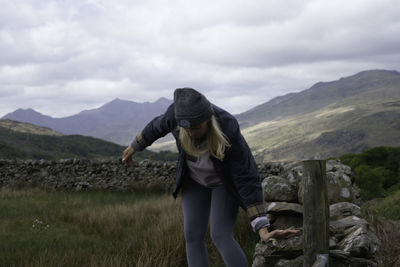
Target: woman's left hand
279, 234
127, 156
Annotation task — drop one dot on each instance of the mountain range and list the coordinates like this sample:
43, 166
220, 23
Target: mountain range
117, 121
330, 118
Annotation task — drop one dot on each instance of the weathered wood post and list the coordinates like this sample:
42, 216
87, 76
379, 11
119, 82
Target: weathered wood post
315, 213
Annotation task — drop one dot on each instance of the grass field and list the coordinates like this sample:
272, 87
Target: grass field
138, 228
384, 218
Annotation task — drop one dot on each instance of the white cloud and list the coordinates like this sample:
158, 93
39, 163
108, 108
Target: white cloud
81, 54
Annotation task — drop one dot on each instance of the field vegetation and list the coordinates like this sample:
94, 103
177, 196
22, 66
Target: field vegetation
383, 215
377, 173
135, 228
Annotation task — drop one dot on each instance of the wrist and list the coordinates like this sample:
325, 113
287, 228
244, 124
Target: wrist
263, 230
260, 222
264, 234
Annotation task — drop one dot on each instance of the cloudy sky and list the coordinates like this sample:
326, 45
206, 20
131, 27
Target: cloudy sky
60, 57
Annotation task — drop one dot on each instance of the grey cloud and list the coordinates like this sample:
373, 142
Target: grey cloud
77, 52
10, 91
316, 34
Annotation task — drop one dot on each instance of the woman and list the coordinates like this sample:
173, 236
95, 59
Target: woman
216, 173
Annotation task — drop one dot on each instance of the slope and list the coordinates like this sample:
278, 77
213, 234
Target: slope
348, 115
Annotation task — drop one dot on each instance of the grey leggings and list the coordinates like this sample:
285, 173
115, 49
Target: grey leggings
200, 204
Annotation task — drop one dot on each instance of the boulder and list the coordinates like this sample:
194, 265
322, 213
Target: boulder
339, 226
268, 253
340, 188
287, 221
361, 262
297, 262
343, 209
285, 215
277, 188
284, 208
337, 166
350, 261
339, 254
294, 173
359, 242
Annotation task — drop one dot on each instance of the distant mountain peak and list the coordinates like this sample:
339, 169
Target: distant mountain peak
163, 100
119, 101
24, 113
366, 74
377, 71
27, 110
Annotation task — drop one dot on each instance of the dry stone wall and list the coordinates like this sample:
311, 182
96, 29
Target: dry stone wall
83, 174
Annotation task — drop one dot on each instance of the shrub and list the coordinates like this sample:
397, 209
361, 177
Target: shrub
377, 170
370, 182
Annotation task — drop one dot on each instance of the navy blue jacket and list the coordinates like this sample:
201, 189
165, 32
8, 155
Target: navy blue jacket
238, 170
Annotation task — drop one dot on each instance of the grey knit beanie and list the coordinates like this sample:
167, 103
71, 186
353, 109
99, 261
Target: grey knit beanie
191, 107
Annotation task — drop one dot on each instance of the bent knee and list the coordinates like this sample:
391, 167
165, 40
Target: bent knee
220, 238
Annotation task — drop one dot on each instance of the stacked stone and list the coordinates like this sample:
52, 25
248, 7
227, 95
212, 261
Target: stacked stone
84, 174
351, 242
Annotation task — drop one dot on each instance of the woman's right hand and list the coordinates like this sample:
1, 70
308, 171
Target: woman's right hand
279, 234
127, 156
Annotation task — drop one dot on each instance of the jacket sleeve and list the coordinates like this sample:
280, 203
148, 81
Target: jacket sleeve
155, 129
244, 173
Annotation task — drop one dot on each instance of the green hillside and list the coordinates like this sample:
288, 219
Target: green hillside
329, 119
27, 128
23, 145
364, 87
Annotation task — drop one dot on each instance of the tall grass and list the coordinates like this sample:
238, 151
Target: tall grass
381, 214
42, 228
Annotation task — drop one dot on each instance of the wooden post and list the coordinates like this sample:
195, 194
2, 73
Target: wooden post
315, 212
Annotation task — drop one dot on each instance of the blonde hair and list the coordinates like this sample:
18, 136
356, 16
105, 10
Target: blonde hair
217, 142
